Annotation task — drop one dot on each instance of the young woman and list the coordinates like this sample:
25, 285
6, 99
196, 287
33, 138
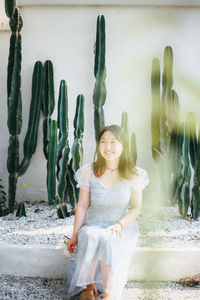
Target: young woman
105, 229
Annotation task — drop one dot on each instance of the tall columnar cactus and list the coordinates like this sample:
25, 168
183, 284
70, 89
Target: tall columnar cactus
134, 148
124, 126
184, 199
155, 115
79, 125
99, 92
176, 184
48, 102
165, 119
52, 155
63, 146
77, 149
195, 203
15, 105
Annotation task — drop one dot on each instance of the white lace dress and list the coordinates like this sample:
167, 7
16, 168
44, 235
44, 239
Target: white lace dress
107, 206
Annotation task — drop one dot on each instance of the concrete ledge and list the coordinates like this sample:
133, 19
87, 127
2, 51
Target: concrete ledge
178, 3
166, 264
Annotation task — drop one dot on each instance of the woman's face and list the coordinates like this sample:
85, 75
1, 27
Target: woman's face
109, 147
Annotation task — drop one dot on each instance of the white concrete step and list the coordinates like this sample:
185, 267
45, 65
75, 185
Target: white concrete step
165, 264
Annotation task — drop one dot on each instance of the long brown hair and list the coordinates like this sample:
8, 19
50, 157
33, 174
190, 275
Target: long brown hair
126, 165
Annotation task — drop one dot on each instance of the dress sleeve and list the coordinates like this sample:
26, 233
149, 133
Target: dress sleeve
83, 176
141, 181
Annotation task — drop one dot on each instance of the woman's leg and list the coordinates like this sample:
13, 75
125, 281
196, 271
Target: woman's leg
92, 270
108, 282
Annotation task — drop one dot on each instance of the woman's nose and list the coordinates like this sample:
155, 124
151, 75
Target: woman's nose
108, 146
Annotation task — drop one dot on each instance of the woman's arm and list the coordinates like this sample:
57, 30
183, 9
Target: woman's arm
81, 209
136, 205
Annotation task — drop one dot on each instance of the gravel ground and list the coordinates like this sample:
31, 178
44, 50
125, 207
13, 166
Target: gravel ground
12, 287
159, 227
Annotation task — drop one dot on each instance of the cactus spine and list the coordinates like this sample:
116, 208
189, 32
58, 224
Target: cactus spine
99, 92
15, 105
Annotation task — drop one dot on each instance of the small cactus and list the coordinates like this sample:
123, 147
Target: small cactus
3, 200
62, 212
21, 212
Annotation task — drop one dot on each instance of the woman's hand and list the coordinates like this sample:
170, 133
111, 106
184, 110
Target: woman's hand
115, 229
72, 243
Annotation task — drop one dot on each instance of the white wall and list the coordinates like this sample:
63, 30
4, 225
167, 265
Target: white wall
134, 36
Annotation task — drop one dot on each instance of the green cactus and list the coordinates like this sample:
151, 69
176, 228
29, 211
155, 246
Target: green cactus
77, 152
134, 148
51, 165
176, 183
14, 104
124, 127
10, 7
184, 200
63, 146
99, 92
62, 212
193, 138
30, 141
21, 212
195, 202
48, 102
3, 200
155, 115
79, 125
164, 123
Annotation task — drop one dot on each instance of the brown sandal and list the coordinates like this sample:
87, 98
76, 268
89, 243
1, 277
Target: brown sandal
89, 292
107, 296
